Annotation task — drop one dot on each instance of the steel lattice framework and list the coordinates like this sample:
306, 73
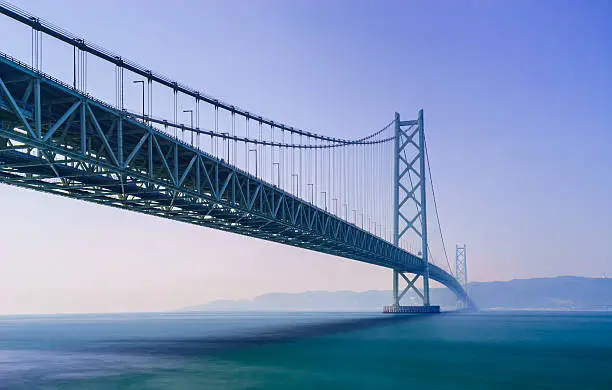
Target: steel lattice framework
58, 140
410, 190
461, 268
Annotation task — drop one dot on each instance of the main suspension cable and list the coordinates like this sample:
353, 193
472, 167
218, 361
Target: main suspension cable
433, 193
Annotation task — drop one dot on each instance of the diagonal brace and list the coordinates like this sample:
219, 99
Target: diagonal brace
16, 108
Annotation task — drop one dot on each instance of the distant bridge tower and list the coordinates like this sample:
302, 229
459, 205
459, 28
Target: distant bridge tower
409, 206
461, 268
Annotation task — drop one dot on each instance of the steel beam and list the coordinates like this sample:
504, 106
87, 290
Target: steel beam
71, 163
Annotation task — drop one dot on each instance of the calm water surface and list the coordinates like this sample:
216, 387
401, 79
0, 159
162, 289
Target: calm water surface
307, 350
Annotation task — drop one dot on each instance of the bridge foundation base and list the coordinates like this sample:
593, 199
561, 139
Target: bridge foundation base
398, 309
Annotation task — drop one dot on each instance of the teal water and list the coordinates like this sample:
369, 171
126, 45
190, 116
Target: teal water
519, 350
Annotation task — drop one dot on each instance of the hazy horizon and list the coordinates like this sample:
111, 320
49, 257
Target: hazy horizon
268, 293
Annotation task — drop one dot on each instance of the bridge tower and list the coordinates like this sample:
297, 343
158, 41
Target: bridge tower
410, 207
461, 268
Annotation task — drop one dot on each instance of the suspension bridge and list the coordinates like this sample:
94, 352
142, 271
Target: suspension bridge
225, 168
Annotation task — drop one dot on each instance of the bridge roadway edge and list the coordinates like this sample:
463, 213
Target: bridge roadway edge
321, 241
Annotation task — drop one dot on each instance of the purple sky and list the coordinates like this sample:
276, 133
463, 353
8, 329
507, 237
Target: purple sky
517, 97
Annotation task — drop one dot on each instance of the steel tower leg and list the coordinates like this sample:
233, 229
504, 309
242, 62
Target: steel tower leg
423, 210
396, 212
395, 288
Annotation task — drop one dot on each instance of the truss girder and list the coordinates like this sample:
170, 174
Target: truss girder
72, 145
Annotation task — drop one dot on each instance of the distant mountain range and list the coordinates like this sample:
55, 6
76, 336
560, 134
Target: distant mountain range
558, 293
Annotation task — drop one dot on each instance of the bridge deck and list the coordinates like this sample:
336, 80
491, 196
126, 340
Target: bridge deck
58, 140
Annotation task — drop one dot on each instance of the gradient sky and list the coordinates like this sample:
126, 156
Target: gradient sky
518, 103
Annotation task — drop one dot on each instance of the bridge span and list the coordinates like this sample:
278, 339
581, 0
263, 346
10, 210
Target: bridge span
58, 138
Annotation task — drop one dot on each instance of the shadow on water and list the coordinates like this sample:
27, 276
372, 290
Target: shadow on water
207, 345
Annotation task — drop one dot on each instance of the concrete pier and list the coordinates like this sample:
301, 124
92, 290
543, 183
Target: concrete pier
398, 309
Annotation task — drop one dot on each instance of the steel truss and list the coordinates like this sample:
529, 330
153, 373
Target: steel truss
461, 270
410, 189
56, 139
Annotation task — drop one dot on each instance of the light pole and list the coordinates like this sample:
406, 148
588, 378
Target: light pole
191, 113
255, 150
277, 173
297, 184
228, 146
143, 96
166, 128
324, 193
311, 192
335, 200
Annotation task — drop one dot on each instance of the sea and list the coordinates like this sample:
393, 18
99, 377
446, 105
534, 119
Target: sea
181, 350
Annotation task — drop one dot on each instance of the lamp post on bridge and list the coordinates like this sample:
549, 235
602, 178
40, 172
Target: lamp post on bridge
311, 192
324, 193
297, 184
143, 96
191, 115
255, 150
226, 139
277, 164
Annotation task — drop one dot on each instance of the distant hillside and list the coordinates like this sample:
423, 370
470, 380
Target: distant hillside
563, 292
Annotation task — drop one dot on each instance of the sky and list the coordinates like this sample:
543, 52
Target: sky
517, 97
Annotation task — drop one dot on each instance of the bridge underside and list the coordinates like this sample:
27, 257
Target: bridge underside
57, 140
